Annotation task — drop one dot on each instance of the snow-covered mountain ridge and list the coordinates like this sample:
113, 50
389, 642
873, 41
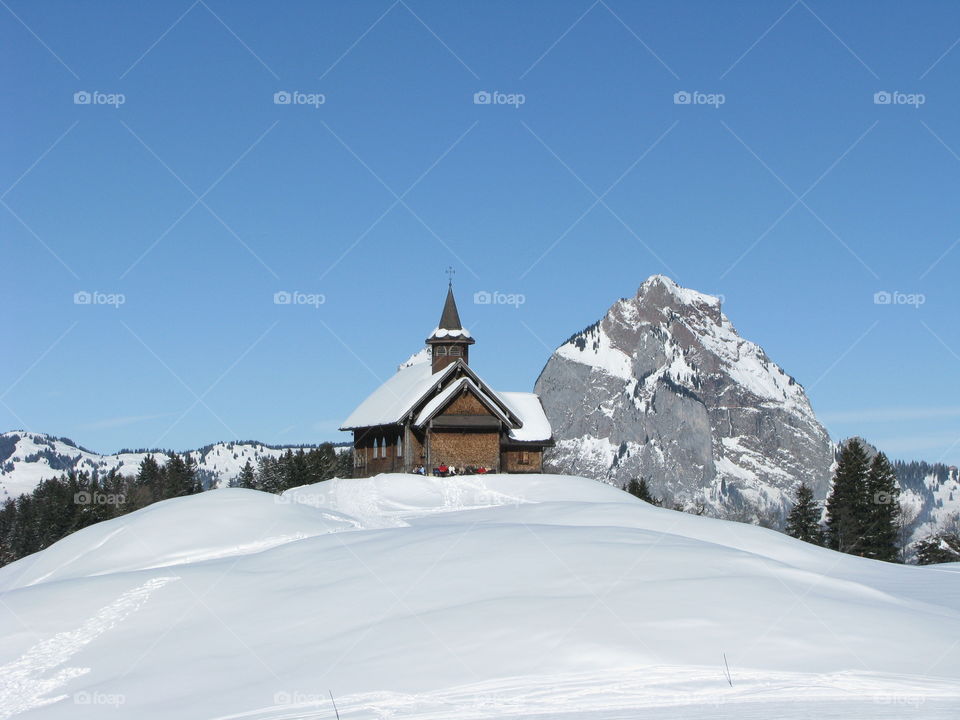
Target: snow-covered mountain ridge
26, 458
476, 598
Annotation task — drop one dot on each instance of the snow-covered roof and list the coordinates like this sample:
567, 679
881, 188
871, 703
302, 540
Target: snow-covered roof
390, 402
528, 408
445, 332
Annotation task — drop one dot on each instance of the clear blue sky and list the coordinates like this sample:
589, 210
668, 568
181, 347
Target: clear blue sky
368, 197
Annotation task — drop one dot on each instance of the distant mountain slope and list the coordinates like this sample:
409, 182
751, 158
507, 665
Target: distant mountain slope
26, 458
663, 387
930, 497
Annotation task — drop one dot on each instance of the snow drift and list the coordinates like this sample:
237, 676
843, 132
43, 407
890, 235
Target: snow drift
477, 597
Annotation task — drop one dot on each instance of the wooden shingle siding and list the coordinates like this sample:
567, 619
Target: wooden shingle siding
465, 449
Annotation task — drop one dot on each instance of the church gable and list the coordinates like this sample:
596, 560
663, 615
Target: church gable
466, 403
462, 399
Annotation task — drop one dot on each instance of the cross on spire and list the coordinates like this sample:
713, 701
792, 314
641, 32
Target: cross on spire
450, 273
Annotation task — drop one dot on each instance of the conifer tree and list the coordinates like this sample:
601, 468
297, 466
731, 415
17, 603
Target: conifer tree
882, 516
247, 478
343, 468
8, 526
640, 489
176, 477
846, 504
192, 482
803, 522
269, 475
150, 476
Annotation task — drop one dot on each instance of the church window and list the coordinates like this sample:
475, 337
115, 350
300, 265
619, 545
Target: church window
441, 350
455, 350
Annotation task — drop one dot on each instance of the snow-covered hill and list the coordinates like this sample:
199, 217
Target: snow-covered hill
477, 597
663, 387
26, 458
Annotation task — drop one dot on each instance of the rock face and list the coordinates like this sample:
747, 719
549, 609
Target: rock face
664, 388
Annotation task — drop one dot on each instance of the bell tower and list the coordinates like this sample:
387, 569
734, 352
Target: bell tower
450, 341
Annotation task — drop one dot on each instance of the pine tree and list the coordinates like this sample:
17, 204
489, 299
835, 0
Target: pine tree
269, 474
846, 505
180, 476
247, 478
176, 479
344, 464
640, 489
151, 477
192, 483
882, 517
8, 524
803, 522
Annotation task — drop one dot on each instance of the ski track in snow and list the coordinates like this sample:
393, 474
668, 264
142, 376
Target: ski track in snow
694, 692
22, 685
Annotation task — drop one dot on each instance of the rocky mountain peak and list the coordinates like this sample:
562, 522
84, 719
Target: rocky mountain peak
664, 387
661, 294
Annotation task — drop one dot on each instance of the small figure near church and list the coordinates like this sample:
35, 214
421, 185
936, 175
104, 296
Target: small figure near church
436, 414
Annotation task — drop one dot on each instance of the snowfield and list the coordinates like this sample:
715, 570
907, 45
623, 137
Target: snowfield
500, 596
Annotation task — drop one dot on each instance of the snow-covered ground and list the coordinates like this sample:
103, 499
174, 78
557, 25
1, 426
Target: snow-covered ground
480, 597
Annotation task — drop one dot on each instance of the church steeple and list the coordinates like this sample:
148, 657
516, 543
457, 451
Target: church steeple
450, 341
450, 318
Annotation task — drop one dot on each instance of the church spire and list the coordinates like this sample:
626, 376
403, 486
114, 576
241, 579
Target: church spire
450, 341
450, 318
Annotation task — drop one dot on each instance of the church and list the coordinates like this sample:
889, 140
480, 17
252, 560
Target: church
436, 411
